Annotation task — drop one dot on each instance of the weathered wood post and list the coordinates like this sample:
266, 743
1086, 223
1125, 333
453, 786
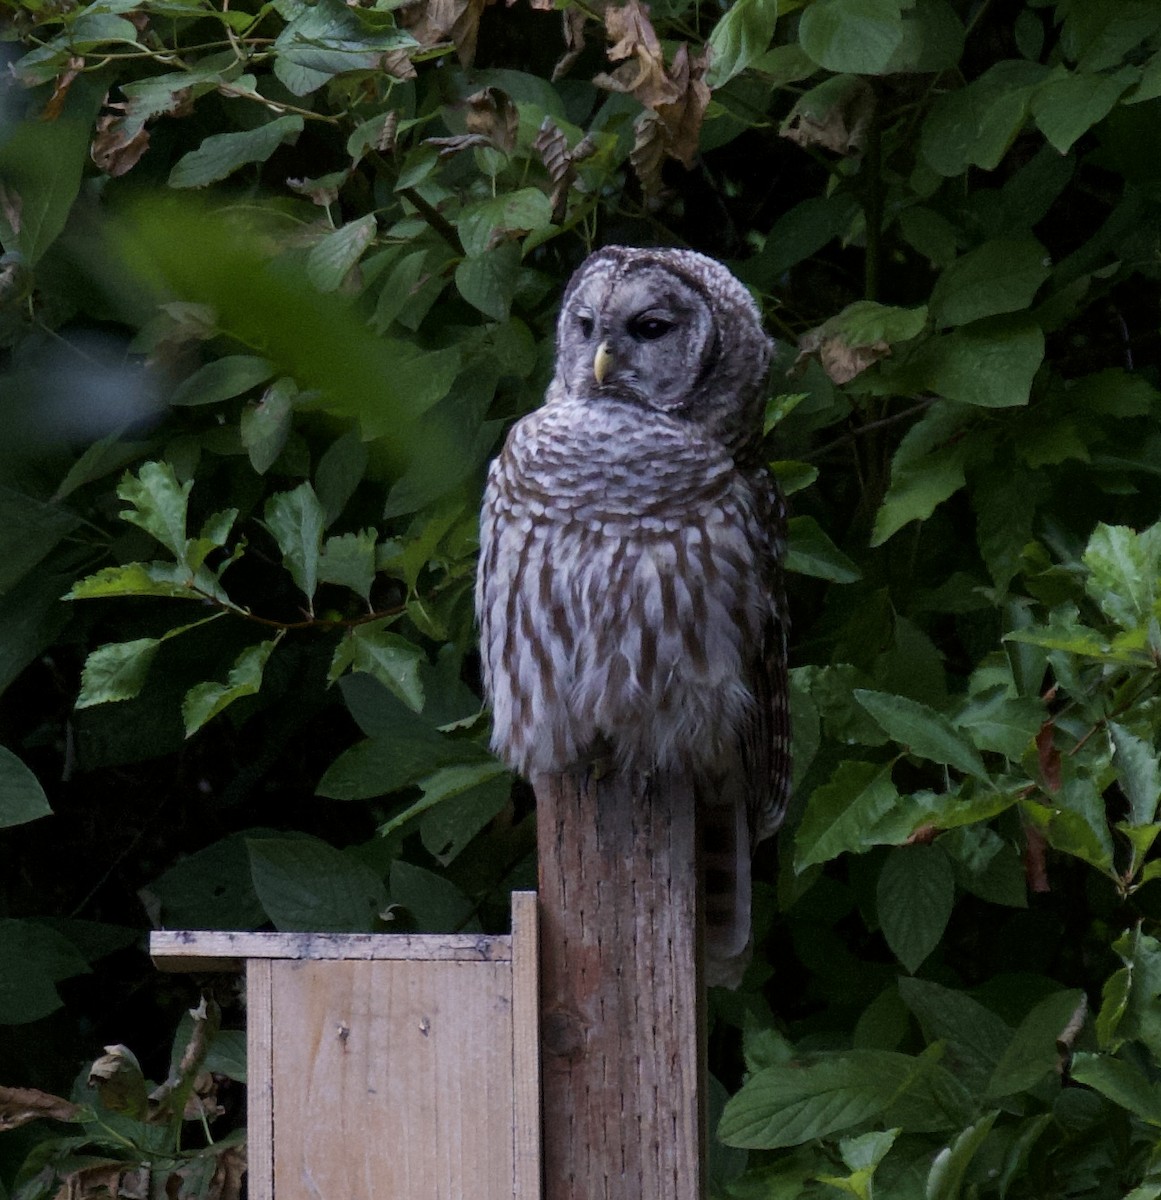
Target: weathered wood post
622, 1029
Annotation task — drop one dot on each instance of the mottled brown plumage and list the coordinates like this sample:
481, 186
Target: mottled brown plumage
629, 593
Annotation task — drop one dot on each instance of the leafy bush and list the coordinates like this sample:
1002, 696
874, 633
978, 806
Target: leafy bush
275, 278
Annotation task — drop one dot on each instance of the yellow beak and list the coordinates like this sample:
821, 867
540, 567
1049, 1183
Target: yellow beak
602, 361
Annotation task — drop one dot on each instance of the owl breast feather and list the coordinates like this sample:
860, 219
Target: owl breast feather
620, 593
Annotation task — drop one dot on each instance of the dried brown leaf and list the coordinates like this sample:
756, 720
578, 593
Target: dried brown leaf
1049, 756
323, 191
60, 90
228, 1174
203, 1100
631, 32
1036, 860
552, 146
648, 154
12, 206
207, 1020
839, 359
18, 1106
115, 153
636, 46
491, 113
839, 122
448, 146
99, 1181
683, 117
398, 65
119, 1082
574, 41
435, 21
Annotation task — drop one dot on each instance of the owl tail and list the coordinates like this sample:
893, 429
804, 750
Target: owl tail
725, 841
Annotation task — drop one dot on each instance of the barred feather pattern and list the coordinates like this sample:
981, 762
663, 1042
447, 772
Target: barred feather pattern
629, 595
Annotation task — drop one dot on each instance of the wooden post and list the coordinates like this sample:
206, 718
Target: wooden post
622, 1028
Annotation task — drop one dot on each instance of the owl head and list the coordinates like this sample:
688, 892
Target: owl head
669, 330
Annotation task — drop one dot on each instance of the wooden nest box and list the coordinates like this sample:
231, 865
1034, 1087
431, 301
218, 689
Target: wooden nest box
386, 1065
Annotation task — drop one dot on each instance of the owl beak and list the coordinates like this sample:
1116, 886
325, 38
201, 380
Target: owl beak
602, 361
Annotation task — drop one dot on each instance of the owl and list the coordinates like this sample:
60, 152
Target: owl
629, 591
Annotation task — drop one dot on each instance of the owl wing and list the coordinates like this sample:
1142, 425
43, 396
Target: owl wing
766, 738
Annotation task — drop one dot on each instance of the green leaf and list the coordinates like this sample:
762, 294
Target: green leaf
204, 701
339, 473
116, 671
1076, 825
148, 579
798, 234
991, 364
266, 425
348, 560
1072, 102
810, 551
996, 721
861, 1155
44, 958
975, 125
741, 36
402, 751
29, 530
388, 657
792, 1104
918, 486
974, 1037
457, 802
933, 38
437, 905
1135, 761
945, 1179
840, 815
866, 322
305, 884
1120, 1082
332, 259
1000, 276
488, 281
221, 380
923, 731
41, 163
1034, 1050
221, 154
1130, 1011
1124, 567
296, 521
22, 799
208, 889
159, 505
858, 36
914, 899
326, 39
523, 211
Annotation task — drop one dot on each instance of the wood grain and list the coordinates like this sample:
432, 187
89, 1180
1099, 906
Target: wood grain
392, 1079
223, 950
622, 1027
259, 1081
526, 1142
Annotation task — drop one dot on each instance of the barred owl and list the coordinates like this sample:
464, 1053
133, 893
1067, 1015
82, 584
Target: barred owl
629, 595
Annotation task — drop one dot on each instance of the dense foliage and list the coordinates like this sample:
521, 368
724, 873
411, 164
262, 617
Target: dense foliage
275, 278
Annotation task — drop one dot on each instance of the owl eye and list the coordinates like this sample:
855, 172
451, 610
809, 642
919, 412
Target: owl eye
649, 329
586, 325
